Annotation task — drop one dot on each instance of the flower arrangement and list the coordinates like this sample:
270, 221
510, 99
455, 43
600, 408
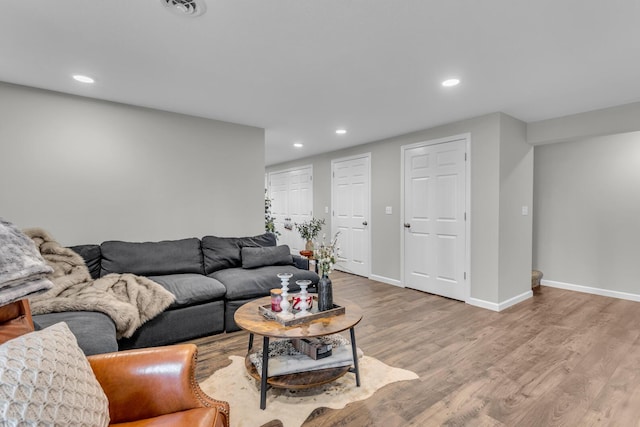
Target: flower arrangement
326, 255
309, 229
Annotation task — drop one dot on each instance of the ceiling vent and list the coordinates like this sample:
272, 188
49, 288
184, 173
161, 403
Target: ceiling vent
191, 8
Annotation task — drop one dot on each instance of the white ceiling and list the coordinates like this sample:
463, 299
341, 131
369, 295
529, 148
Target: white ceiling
303, 68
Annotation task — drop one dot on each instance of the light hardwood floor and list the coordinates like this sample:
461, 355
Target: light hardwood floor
560, 358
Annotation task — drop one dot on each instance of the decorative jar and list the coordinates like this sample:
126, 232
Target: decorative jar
276, 299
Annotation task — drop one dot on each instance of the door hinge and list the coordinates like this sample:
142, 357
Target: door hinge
465, 216
333, 174
465, 275
310, 178
465, 157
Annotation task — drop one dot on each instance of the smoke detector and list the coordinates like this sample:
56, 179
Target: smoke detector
191, 8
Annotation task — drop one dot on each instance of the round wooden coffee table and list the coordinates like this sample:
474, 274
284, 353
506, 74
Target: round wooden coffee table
249, 318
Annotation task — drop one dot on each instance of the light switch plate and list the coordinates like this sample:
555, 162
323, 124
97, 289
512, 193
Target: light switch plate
525, 210
388, 210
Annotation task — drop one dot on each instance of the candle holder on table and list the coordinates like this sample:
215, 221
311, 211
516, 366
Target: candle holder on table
284, 303
304, 305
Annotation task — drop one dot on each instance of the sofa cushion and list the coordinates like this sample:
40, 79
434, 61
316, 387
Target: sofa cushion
152, 258
244, 283
92, 257
225, 252
190, 289
269, 255
95, 332
178, 325
47, 380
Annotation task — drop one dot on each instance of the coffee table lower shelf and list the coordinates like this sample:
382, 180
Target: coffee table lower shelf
299, 380
249, 318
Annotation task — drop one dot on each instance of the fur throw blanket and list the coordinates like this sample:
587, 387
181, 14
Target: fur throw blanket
128, 299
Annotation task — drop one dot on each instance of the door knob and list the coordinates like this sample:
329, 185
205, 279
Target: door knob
407, 225
365, 223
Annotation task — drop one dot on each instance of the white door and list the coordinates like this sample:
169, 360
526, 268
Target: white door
300, 205
278, 193
351, 216
434, 218
291, 195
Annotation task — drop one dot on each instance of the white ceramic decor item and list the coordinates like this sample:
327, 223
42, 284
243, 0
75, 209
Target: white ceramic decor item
303, 296
284, 304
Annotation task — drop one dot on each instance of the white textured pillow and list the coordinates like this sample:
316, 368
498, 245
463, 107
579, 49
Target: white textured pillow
45, 379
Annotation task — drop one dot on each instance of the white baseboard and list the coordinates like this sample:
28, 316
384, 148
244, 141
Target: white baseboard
515, 300
591, 290
386, 280
482, 304
501, 305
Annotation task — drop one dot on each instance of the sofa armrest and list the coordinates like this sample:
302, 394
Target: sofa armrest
15, 320
145, 383
300, 262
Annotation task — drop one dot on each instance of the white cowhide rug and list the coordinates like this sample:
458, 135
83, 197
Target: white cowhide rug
292, 408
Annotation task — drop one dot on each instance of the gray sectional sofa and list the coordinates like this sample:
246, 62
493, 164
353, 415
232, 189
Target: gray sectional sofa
210, 278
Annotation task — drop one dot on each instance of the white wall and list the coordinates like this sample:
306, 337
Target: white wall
587, 211
89, 170
585, 228
516, 193
488, 282
607, 121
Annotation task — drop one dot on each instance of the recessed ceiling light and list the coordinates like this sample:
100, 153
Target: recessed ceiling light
190, 8
341, 131
298, 145
83, 79
451, 82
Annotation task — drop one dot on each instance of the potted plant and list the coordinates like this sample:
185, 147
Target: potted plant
309, 231
269, 220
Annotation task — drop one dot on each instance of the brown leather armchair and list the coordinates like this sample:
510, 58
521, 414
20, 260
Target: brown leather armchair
145, 387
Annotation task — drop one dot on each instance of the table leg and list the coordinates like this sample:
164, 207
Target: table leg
265, 372
355, 356
250, 342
